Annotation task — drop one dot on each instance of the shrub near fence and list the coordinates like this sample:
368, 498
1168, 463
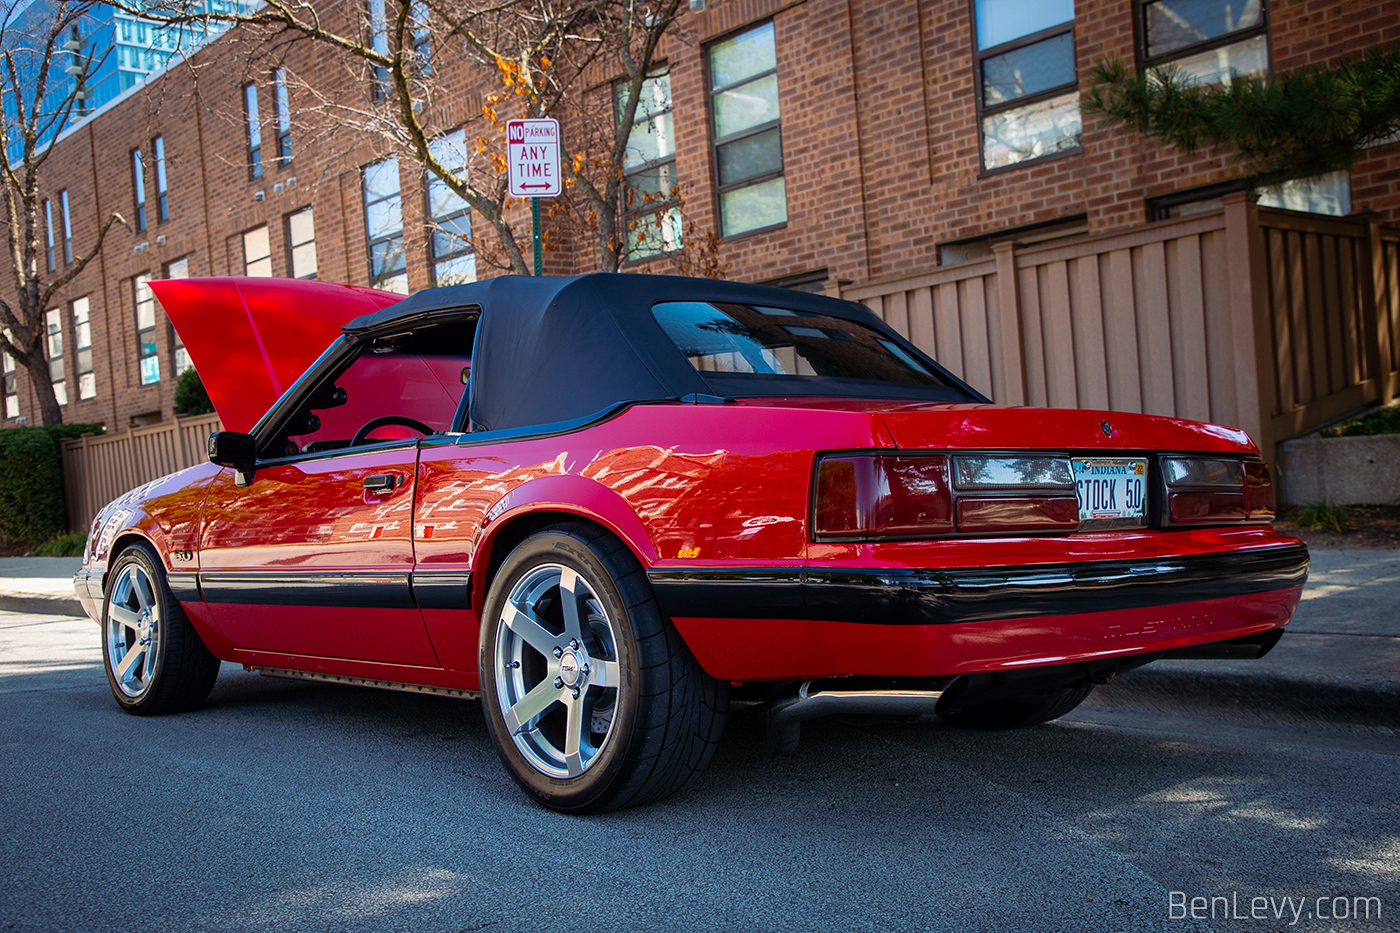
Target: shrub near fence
31, 481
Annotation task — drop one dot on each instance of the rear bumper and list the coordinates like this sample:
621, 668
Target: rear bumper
817, 621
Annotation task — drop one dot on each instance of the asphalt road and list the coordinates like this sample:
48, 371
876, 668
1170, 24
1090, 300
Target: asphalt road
292, 806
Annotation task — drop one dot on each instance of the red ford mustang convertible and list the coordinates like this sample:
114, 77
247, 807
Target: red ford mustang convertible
614, 505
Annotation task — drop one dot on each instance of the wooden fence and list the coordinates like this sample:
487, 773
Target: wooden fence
98, 468
1268, 320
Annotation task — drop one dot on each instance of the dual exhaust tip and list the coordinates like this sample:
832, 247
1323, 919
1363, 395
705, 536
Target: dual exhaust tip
849, 696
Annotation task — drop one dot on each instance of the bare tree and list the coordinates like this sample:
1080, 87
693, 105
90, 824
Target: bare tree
32, 113
532, 58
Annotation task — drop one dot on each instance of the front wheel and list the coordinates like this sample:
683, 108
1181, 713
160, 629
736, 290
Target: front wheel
155, 660
592, 699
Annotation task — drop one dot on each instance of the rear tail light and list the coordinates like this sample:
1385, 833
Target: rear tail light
883, 495
1216, 491
887, 495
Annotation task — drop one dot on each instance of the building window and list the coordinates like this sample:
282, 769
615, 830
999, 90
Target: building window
145, 301
162, 187
138, 188
1027, 87
384, 227
11, 379
257, 253
450, 254
1321, 194
179, 356
282, 103
82, 348
379, 43
250, 113
649, 212
747, 132
301, 244
53, 348
67, 227
48, 235
1206, 41
422, 37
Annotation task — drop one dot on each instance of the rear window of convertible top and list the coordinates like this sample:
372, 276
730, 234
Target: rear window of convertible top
739, 339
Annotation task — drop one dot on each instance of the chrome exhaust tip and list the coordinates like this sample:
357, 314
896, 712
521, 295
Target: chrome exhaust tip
854, 695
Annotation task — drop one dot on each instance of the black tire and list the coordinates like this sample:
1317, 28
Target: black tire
155, 661
1017, 712
649, 735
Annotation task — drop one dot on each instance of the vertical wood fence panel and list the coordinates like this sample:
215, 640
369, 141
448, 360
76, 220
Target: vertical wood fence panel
1275, 323
99, 468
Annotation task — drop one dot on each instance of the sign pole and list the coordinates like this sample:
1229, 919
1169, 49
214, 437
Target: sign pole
539, 247
532, 166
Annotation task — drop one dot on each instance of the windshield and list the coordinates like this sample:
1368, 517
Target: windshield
755, 340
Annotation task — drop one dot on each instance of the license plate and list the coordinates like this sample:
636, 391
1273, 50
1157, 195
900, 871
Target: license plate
1112, 492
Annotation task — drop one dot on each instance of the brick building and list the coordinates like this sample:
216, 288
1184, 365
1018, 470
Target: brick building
831, 144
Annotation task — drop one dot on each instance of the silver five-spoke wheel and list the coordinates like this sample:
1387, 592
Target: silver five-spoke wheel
557, 673
133, 631
156, 662
590, 695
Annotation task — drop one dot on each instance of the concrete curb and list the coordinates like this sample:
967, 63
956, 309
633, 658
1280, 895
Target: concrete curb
43, 605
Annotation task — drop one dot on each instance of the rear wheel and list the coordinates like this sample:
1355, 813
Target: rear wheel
155, 660
592, 699
1017, 712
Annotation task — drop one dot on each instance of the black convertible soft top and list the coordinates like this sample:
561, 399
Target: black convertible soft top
552, 349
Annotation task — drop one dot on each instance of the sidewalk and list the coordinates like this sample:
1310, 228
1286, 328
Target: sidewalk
1339, 658
39, 584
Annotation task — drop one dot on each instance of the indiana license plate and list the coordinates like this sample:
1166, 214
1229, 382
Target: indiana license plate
1112, 492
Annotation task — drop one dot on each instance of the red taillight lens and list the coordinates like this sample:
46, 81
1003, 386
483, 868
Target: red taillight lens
883, 495
1215, 490
1035, 513
1194, 507
1259, 492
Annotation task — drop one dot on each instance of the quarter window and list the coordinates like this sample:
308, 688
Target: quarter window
384, 227
162, 187
1206, 41
82, 348
250, 113
67, 227
1027, 88
379, 42
282, 104
11, 380
138, 187
145, 299
179, 356
649, 211
748, 132
53, 348
301, 244
257, 253
450, 237
48, 235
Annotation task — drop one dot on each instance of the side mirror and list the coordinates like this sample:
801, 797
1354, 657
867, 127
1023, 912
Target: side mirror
229, 448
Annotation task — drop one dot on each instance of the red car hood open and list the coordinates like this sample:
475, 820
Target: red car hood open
251, 338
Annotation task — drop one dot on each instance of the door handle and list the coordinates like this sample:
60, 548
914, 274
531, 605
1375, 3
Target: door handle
383, 482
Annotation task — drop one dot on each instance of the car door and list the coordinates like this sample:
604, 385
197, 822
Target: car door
313, 556
309, 554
